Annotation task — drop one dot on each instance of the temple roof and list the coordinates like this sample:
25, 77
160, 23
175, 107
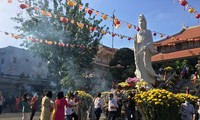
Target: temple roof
176, 55
187, 33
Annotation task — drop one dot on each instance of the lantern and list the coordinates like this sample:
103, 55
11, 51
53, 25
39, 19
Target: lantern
49, 42
183, 2
104, 16
71, 3
113, 35
191, 10
197, 16
129, 26
61, 19
22, 6
92, 29
154, 34
129, 38
103, 32
90, 12
167, 37
138, 29
118, 22
80, 25
65, 20
72, 21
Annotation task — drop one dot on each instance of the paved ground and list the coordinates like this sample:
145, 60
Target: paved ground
16, 116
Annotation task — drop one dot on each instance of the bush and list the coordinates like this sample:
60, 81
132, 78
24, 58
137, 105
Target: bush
160, 104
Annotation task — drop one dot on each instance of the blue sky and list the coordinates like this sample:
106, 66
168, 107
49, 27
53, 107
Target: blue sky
165, 16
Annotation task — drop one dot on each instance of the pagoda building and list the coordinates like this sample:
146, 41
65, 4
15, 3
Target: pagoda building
183, 45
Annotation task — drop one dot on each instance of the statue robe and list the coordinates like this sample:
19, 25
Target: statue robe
143, 49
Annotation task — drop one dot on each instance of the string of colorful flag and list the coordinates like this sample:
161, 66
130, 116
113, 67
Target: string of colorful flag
117, 22
72, 21
61, 44
191, 9
48, 42
90, 11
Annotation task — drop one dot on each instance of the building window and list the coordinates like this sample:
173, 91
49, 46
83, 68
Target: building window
2, 61
191, 44
27, 60
184, 45
178, 46
14, 60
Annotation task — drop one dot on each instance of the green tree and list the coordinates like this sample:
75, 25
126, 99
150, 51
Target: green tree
67, 63
122, 65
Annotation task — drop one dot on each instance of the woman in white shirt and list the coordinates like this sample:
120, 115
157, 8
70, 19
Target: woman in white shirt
112, 107
69, 110
98, 105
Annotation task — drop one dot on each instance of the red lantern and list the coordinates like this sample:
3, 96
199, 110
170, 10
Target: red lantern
92, 29
65, 20
22, 6
138, 29
113, 35
167, 37
154, 34
183, 2
197, 16
129, 38
90, 12
118, 22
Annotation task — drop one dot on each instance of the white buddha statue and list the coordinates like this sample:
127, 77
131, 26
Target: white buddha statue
143, 51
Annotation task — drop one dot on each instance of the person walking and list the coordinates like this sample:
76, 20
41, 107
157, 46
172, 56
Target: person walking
131, 107
25, 107
1, 102
17, 102
187, 111
112, 107
69, 110
46, 106
98, 105
60, 104
33, 106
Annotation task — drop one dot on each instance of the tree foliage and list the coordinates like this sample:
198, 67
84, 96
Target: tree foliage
69, 62
122, 65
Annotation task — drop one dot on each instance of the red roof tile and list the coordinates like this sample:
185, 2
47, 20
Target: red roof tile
175, 55
184, 34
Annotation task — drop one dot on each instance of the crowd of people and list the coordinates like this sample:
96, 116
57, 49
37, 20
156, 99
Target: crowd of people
67, 107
